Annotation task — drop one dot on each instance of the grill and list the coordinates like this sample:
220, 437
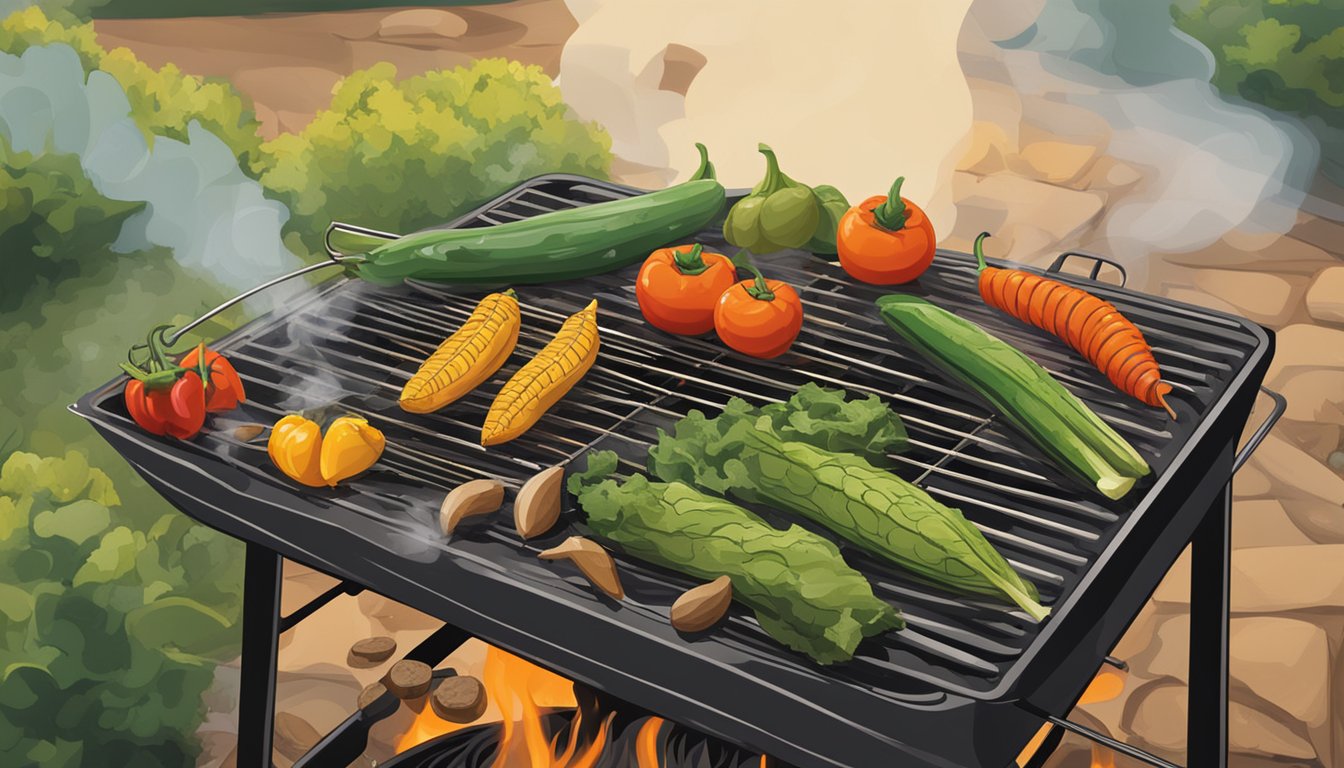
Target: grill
969, 680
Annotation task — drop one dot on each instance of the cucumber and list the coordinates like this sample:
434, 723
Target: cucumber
562, 245
1022, 391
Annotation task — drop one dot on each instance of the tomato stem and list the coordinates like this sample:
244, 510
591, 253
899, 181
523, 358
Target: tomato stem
758, 290
979, 250
892, 214
690, 262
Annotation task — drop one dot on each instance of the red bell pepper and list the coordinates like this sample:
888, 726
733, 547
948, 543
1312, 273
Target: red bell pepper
223, 388
165, 398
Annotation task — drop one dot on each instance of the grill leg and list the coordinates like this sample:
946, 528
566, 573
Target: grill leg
261, 634
1211, 551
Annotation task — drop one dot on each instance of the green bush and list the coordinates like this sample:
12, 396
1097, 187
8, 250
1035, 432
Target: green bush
400, 156
163, 101
106, 644
1285, 54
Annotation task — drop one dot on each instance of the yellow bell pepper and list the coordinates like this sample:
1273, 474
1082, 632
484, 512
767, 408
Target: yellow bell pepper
295, 447
350, 446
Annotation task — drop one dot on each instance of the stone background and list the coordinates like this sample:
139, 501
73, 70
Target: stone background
1035, 170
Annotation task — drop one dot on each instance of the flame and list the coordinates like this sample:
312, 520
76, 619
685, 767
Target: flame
646, 743
1107, 685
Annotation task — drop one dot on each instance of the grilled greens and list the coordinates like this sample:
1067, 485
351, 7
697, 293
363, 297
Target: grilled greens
1024, 392
745, 452
802, 592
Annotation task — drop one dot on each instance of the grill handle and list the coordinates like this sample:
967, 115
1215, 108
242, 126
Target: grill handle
1280, 405
1057, 266
350, 229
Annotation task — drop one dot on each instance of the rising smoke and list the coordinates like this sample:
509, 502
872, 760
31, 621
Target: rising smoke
1210, 165
198, 201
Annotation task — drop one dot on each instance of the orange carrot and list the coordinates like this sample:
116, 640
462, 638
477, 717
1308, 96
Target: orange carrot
1093, 327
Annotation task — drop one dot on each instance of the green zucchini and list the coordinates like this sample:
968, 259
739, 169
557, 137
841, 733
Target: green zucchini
1022, 391
562, 245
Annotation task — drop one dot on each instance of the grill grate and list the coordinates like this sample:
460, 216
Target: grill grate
355, 344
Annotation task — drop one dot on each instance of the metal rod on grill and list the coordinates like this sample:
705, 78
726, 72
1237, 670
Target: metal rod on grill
1110, 743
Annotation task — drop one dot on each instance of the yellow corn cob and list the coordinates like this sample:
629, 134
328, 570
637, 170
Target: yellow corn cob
468, 357
544, 380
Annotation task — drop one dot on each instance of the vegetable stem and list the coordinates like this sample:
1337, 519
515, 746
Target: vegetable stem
774, 178
891, 214
979, 250
706, 169
690, 262
758, 290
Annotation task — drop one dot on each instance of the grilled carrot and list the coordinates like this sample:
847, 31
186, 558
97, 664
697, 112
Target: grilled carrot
1093, 327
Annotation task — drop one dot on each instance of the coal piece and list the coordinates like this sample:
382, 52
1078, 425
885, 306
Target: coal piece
459, 699
371, 651
408, 679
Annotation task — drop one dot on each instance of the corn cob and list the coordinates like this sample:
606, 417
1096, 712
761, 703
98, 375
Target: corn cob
544, 380
467, 358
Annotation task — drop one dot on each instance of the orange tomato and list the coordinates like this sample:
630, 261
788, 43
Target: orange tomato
679, 287
881, 255
759, 317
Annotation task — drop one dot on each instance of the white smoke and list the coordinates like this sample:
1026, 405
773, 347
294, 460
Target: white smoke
1210, 165
198, 201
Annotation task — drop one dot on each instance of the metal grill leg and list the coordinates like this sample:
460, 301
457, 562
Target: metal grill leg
261, 635
1211, 552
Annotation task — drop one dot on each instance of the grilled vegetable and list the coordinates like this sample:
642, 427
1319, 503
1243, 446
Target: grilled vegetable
833, 208
482, 496
740, 453
162, 397
468, 357
295, 448
678, 288
562, 245
350, 446
759, 317
593, 561
779, 213
700, 608
545, 379
1027, 396
1093, 327
802, 592
223, 386
886, 239
536, 508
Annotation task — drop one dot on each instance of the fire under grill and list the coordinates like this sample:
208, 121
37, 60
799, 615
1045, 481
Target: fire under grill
966, 683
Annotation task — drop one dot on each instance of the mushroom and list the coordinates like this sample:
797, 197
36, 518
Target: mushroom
537, 506
472, 498
592, 560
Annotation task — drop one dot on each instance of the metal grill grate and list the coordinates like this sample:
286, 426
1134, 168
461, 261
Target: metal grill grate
356, 345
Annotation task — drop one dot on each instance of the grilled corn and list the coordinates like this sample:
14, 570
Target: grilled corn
544, 380
467, 358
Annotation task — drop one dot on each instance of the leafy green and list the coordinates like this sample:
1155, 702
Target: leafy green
383, 153
802, 592
742, 453
824, 418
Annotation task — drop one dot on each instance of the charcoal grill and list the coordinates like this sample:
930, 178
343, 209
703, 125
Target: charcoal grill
966, 684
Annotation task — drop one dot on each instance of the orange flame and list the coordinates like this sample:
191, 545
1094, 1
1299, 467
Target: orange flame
1108, 684
646, 743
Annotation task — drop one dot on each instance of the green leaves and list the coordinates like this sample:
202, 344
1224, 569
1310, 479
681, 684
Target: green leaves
105, 641
380, 154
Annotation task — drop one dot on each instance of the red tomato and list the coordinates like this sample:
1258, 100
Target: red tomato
179, 408
678, 288
137, 404
224, 389
880, 255
756, 322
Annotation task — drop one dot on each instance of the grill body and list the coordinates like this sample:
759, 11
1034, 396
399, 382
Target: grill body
964, 685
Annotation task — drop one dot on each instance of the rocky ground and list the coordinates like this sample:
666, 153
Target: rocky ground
1042, 189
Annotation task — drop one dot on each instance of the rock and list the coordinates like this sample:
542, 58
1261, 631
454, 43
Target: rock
1264, 523
1322, 521
294, 736
1335, 461
1325, 297
1199, 299
1282, 579
1319, 232
1120, 175
1268, 252
680, 66
1155, 715
1295, 473
1058, 162
1168, 653
1313, 395
1262, 297
1284, 661
988, 144
422, 22
1058, 211
1250, 731
1318, 439
1302, 346
1174, 589
1249, 483
1139, 634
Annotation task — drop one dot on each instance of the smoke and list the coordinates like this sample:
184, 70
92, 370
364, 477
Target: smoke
1209, 165
199, 202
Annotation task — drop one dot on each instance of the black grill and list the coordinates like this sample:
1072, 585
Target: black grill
965, 684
